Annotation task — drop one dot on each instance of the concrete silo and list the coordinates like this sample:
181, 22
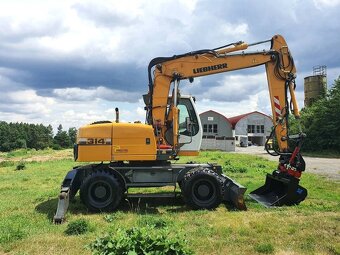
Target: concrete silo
315, 86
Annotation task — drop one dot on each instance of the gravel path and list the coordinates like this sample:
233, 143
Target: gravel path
329, 167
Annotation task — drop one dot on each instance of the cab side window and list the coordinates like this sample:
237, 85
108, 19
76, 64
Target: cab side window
186, 109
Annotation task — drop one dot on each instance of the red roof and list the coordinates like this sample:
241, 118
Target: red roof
235, 119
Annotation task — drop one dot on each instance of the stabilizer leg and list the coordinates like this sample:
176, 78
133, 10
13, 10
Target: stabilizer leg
63, 203
234, 193
69, 188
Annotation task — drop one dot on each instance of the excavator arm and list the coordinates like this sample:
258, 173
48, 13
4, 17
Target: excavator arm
280, 70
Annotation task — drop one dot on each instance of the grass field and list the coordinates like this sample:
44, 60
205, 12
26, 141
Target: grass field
29, 199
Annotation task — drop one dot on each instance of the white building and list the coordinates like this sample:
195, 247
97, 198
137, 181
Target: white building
217, 132
253, 127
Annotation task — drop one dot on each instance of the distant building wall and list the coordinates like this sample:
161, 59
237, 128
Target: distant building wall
221, 133
256, 126
215, 124
227, 144
217, 132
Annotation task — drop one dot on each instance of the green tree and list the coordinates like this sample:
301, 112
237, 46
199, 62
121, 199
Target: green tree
61, 138
72, 133
4, 131
24, 135
321, 121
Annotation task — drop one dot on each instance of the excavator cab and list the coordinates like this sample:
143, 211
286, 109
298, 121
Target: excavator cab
190, 128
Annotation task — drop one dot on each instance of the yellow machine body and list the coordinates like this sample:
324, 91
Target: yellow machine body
116, 142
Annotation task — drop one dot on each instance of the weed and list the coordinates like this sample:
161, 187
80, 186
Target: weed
109, 218
11, 233
117, 216
266, 248
234, 169
17, 153
77, 227
21, 166
334, 249
6, 163
135, 241
152, 221
308, 244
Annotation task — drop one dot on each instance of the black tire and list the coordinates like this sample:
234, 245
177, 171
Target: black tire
202, 189
101, 191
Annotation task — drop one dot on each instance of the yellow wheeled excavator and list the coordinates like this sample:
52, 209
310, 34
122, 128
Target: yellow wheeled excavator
140, 155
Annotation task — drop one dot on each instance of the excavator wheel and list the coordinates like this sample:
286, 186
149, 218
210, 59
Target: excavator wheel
101, 191
202, 189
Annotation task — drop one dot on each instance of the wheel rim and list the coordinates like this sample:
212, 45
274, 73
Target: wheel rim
204, 191
100, 194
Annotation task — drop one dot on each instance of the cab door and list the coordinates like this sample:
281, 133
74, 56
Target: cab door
190, 128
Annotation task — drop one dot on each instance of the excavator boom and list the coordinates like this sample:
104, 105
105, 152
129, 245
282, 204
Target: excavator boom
280, 70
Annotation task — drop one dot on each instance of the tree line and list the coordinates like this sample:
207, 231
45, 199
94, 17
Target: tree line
34, 136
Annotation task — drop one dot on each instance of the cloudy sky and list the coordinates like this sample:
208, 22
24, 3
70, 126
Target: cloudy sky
72, 62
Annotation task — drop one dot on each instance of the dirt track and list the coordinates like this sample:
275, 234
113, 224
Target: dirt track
329, 167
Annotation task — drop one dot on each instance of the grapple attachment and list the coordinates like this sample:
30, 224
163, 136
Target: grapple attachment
279, 189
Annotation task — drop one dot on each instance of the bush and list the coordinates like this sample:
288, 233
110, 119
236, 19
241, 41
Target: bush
21, 166
140, 241
6, 163
56, 147
266, 248
77, 227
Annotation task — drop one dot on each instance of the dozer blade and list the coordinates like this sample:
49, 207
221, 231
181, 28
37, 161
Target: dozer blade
234, 193
279, 190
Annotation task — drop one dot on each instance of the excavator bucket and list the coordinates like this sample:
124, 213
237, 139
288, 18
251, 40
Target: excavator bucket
234, 193
279, 190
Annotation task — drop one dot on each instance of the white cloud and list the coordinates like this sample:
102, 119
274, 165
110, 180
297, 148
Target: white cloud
90, 94
227, 108
235, 30
326, 3
140, 112
26, 102
234, 88
82, 35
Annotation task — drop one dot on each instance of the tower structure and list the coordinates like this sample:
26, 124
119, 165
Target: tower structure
315, 86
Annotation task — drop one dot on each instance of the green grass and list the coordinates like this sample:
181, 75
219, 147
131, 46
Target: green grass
25, 153
22, 154
29, 199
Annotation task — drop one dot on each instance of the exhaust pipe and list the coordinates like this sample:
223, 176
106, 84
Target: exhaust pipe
117, 115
